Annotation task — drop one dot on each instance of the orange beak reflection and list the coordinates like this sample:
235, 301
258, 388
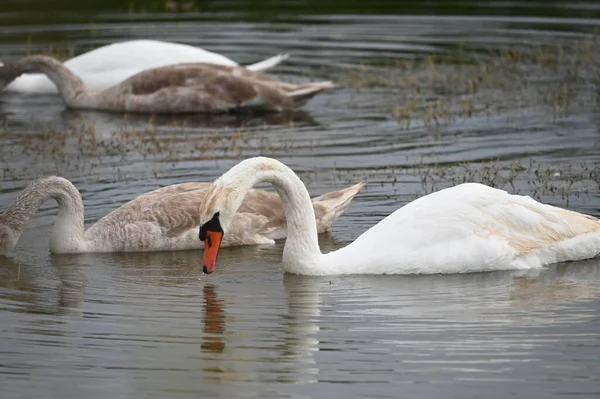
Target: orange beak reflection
211, 250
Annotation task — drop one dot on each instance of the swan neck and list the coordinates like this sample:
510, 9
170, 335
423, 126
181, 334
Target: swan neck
301, 251
68, 231
68, 84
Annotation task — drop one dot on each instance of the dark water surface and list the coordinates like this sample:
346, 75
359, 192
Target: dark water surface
511, 100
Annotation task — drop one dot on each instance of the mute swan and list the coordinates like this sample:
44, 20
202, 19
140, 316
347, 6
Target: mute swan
109, 65
466, 228
165, 219
172, 89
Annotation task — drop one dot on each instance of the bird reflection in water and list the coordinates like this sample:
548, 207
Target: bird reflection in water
214, 321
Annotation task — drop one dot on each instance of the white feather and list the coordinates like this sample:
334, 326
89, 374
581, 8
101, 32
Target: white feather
467, 228
109, 65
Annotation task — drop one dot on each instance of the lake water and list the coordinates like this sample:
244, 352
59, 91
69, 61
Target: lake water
501, 93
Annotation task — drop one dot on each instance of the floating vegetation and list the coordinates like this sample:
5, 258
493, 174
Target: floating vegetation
442, 88
79, 148
535, 179
557, 183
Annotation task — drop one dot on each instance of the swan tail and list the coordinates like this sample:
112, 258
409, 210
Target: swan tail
268, 63
305, 92
330, 206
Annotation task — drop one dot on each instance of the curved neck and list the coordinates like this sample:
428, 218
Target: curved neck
70, 86
68, 231
301, 252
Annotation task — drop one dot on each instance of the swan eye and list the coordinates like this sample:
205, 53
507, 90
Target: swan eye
213, 224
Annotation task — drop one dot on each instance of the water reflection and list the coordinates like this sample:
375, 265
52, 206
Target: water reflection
251, 324
214, 321
41, 109
302, 334
72, 279
558, 285
496, 298
54, 290
169, 269
16, 286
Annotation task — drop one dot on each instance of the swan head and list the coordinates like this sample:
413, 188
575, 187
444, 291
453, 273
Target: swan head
216, 215
223, 199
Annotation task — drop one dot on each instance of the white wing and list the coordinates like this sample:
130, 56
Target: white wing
472, 227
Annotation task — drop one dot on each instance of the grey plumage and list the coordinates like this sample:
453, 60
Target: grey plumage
181, 88
161, 220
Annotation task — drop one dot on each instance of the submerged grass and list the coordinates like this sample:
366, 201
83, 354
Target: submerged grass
432, 92
79, 148
441, 88
535, 179
541, 180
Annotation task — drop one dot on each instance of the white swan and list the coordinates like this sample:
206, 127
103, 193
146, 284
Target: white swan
467, 228
109, 65
180, 88
165, 219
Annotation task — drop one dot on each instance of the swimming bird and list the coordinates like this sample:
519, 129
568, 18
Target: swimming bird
467, 228
109, 65
172, 89
165, 219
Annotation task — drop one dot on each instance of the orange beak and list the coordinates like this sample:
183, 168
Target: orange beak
211, 250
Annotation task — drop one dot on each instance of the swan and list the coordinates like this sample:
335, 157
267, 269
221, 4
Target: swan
165, 219
467, 228
172, 89
109, 65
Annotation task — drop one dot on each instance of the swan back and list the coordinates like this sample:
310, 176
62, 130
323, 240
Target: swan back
466, 228
202, 87
135, 54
